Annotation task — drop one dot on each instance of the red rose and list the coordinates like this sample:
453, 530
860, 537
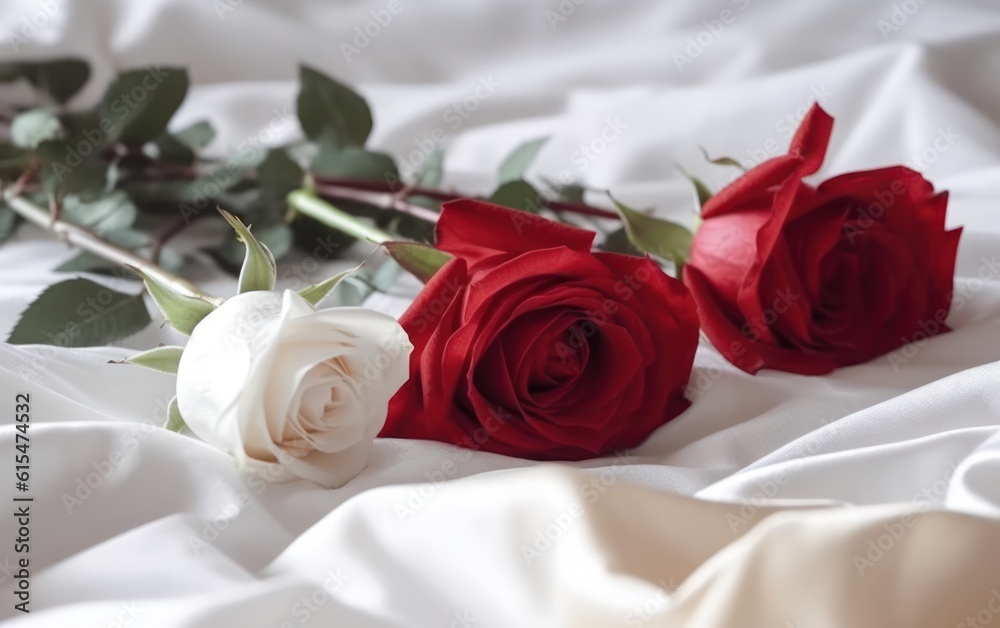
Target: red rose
806, 279
527, 344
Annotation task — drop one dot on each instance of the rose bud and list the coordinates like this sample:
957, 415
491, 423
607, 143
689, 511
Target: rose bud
528, 344
271, 380
807, 279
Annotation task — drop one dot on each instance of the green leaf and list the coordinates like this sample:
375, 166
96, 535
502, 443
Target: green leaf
138, 242
9, 220
259, 271
432, 170
172, 150
197, 136
279, 172
419, 259
80, 313
701, 191
113, 212
353, 163
59, 78
514, 166
328, 107
410, 226
12, 160
518, 195
31, 128
181, 148
175, 422
162, 359
722, 161
617, 242
68, 173
570, 193
658, 237
316, 292
182, 311
139, 103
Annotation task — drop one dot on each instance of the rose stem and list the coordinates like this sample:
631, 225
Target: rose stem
91, 243
348, 189
382, 200
305, 202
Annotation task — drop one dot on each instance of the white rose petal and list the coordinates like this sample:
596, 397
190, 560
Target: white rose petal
271, 380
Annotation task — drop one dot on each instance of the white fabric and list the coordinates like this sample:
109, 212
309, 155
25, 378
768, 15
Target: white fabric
174, 536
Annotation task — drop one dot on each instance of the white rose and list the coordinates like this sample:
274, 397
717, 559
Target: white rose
270, 379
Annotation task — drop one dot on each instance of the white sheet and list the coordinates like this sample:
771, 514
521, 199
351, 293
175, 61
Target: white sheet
174, 536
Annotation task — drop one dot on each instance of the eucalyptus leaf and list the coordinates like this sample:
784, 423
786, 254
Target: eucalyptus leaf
183, 312
259, 271
353, 162
420, 260
113, 212
279, 172
410, 226
328, 107
138, 242
432, 170
9, 220
138, 104
197, 136
12, 160
570, 193
515, 165
162, 359
67, 172
59, 78
172, 150
80, 313
518, 195
31, 128
356, 288
655, 236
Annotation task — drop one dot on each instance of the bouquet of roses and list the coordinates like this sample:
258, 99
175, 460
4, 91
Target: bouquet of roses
525, 340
